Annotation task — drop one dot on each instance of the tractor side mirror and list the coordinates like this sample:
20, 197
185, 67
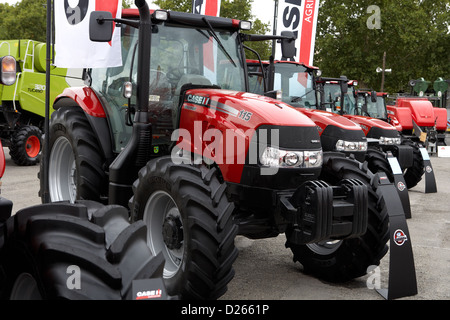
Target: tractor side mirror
344, 84
373, 96
288, 50
101, 26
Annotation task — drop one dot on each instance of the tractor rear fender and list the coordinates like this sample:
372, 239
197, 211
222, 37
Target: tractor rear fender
86, 99
403, 115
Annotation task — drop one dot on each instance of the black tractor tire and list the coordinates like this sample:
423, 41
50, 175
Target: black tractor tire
75, 169
26, 145
81, 251
343, 260
413, 174
377, 162
189, 219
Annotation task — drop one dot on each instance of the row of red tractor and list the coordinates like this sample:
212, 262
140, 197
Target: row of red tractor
135, 167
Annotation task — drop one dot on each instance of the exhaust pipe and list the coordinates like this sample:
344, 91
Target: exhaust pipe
124, 169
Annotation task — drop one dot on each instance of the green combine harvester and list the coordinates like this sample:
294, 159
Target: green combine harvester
437, 94
22, 110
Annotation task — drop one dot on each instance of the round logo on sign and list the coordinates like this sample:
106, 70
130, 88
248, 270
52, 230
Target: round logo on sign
401, 186
400, 237
428, 169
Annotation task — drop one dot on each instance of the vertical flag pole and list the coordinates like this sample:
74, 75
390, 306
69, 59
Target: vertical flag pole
45, 155
275, 18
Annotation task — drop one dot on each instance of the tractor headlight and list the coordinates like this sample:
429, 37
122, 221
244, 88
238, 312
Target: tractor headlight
350, 146
390, 141
7, 70
245, 25
274, 157
161, 15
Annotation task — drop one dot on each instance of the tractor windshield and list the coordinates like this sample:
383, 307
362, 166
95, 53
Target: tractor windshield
295, 84
374, 109
332, 96
179, 51
179, 55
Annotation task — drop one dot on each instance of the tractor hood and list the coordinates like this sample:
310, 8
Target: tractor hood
367, 123
243, 110
229, 126
324, 119
337, 130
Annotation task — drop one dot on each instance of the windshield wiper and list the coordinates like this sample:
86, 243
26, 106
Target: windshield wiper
295, 99
214, 35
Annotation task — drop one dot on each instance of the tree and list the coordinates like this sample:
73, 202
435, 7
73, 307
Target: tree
175, 5
237, 9
414, 34
25, 20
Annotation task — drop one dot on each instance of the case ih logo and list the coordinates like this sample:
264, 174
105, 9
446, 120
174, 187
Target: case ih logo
151, 294
400, 237
202, 101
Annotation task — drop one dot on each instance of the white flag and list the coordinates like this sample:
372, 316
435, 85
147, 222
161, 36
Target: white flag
73, 48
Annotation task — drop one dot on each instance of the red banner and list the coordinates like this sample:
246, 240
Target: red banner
206, 7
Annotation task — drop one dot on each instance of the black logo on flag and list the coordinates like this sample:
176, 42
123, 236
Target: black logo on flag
76, 14
197, 9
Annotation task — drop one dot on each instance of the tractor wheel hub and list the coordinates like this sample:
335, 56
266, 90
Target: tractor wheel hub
172, 232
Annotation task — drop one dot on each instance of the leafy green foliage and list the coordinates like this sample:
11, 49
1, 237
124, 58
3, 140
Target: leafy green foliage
414, 34
24, 20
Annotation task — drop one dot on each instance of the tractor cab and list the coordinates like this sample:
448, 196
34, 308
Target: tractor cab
206, 54
371, 104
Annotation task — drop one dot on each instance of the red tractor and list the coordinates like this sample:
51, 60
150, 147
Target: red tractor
295, 84
83, 250
175, 133
418, 117
302, 87
384, 136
